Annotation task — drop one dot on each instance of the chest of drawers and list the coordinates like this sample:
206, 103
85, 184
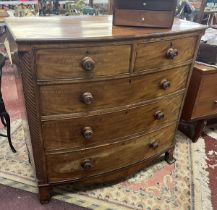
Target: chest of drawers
102, 102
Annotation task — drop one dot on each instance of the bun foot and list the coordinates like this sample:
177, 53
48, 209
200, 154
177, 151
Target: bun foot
45, 194
169, 156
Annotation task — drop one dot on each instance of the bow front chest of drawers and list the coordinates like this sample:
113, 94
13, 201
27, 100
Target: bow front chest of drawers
102, 102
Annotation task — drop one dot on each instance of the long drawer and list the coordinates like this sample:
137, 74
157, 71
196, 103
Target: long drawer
83, 163
83, 62
71, 98
87, 131
164, 53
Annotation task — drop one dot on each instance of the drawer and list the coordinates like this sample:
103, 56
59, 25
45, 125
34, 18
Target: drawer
90, 96
206, 101
83, 63
146, 5
100, 129
164, 53
89, 162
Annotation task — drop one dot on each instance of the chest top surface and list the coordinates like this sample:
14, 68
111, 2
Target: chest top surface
86, 28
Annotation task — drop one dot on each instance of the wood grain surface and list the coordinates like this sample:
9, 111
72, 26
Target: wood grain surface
158, 19
55, 29
191, 96
67, 63
202, 94
68, 166
131, 80
66, 98
206, 102
67, 133
154, 55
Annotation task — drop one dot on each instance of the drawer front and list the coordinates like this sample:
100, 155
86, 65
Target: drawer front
83, 62
71, 98
164, 53
89, 162
100, 129
206, 102
159, 19
156, 5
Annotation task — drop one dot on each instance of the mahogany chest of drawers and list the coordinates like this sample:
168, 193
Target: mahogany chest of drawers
102, 102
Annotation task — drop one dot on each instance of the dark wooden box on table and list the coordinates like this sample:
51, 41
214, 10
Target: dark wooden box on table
144, 13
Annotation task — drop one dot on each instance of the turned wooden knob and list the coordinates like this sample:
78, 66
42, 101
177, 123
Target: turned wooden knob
215, 102
172, 53
87, 132
87, 98
86, 164
88, 64
159, 115
154, 145
164, 84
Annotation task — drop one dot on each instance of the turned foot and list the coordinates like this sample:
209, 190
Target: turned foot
45, 194
169, 156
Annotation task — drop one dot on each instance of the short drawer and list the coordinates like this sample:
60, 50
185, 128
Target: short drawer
89, 162
206, 101
83, 63
86, 131
164, 53
91, 96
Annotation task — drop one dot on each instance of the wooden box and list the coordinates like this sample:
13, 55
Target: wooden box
144, 13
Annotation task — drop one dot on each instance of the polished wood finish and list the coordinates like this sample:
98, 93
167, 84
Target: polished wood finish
101, 103
147, 58
206, 101
156, 5
159, 19
201, 101
144, 13
66, 29
109, 127
85, 96
89, 162
84, 62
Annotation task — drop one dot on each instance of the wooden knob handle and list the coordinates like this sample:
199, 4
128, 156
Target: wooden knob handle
159, 115
88, 64
215, 102
87, 132
86, 164
87, 98
154, 145
172, 53
164, 84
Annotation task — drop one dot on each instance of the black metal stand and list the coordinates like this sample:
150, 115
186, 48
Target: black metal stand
5, 118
